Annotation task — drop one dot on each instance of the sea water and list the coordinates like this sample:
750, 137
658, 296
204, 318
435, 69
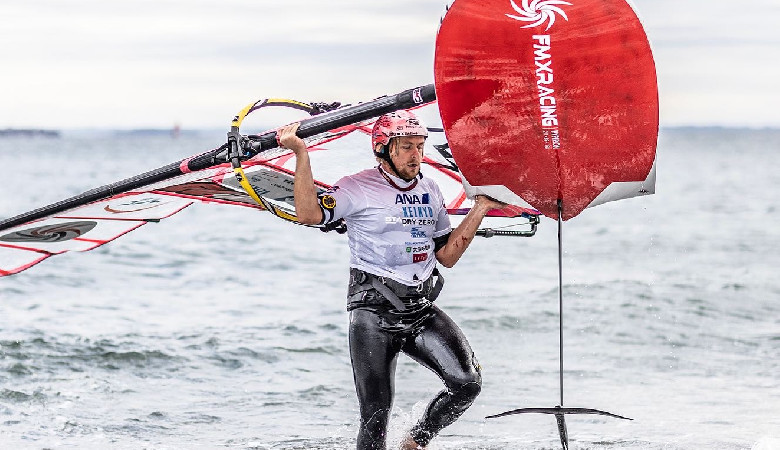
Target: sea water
224, 327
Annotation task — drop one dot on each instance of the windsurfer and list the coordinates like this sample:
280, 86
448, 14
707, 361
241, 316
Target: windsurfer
398, 229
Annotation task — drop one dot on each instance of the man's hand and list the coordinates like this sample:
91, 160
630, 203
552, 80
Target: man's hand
484, 204
288, 139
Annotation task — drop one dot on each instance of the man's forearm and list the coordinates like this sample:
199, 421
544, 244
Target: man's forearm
462, 236
306, 207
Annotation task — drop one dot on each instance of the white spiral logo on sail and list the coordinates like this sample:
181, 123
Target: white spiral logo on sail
538, 12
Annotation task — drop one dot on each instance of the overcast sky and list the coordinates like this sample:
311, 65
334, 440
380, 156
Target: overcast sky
154, 63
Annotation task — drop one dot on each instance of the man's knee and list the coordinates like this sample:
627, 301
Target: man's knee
469, 391
467, 383
466, 387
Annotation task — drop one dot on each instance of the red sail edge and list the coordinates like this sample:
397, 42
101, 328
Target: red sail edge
558, 102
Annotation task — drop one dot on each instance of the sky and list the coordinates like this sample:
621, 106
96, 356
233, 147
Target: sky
156, 63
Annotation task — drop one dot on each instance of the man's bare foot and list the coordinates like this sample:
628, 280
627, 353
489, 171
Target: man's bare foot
409, 444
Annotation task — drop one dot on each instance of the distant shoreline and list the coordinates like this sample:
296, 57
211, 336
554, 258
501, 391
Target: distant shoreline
121, 133
29, 132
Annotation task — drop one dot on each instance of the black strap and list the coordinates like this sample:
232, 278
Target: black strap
360, 281
387, 293
436, 289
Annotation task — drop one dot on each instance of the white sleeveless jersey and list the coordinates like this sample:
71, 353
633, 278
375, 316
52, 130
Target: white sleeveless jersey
390, 231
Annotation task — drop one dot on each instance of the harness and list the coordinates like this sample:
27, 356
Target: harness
393, 291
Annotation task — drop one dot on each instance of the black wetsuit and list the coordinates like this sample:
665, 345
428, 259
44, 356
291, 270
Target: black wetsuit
377, 333
395, 227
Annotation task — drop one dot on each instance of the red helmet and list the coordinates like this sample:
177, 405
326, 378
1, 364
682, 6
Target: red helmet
396, 124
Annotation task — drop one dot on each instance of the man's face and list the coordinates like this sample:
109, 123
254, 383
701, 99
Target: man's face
406, 152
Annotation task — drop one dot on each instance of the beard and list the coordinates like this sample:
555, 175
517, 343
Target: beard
408, 173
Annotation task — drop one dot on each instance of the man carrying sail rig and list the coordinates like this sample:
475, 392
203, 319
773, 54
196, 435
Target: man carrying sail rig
398, 229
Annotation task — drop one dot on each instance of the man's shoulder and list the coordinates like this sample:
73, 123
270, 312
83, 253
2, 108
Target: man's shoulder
365, 174
358, 178
354, 185
348, 177
429, 183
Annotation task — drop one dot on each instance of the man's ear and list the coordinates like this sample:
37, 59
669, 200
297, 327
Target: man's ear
388, 147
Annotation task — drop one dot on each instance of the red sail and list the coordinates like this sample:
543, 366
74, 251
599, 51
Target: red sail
549, 99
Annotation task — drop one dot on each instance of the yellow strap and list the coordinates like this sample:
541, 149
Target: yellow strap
279, 213
242, 180
287, 102
240, 175
268, 102
242, 114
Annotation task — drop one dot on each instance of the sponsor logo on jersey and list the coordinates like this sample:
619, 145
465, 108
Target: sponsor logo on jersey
328, 202
416, 248
410, 221
412, 199
419, 257
417, 211
418, 232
